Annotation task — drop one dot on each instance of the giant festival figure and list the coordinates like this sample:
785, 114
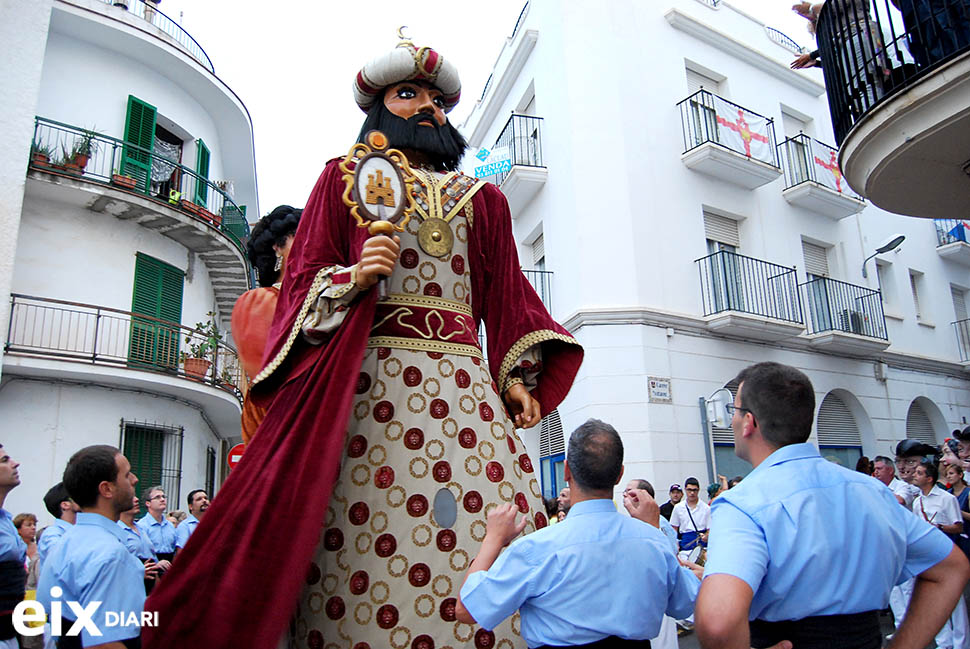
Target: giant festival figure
387, 436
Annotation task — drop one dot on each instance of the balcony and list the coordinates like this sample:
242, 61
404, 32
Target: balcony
897, 89
140, 185
843, 317
541, 281
814, 181
962, 328
951, 240
749, 298
727, 141
515, 162
172, 29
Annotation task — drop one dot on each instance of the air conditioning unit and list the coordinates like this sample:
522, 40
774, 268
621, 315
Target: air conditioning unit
853, 321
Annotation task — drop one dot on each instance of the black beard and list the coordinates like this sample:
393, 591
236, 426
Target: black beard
443, 145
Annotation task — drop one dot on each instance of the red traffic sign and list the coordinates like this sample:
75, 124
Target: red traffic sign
235, 454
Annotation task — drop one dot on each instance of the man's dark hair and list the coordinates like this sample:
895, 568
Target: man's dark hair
734, 481
270, 230
931, 469
782, 401
192, 495
444, 145
646, 486
87, 469
692, 481
552, 506
595, 455
962, 435
54, 497
147, 493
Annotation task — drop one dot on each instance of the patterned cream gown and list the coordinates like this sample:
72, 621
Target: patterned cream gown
387, 573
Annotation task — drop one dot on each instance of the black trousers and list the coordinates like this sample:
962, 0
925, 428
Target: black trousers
852, 631
610, 642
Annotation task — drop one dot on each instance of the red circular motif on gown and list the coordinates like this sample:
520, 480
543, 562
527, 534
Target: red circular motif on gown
525, 463
335, 608
446, 540
467, 438
313, 574
383, 352
423, 642
387, 616
458, 264
494, 387
359, 582
412, 376
436, 355
463, 379
511, 442
485, 411
433, 289
541, 520
414, 438
314, 640
522, 502
484, 639
385, 545
441, 471
409, 258
357, 446
419, 574
333, 539
476, 360
447, 609
363, 383
417, 505
494, 471
383, 411
384, 477
359, 513
439, 408
472, 502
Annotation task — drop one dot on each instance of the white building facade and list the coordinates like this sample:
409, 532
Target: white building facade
136, 170
678, 252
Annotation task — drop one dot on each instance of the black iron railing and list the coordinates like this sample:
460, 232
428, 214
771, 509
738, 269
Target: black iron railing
706, 117
952, 231
962, 328
733, 282
104, 336
520, 143
808, 160
149, 12
518, 21
541, 281
65, 149
869, 52
833, 305
783, 39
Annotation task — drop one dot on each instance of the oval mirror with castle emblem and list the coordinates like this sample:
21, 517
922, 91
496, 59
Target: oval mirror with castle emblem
379, 188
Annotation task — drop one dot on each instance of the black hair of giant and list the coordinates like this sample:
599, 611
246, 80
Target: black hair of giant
54, 497
595, 456
87, 469
271, 230
782, 400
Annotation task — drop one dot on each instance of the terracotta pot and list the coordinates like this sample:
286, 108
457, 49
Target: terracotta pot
124, 181
39, 159
81, 160
197, 367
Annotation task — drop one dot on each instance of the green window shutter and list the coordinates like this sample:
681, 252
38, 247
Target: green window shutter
143, 448
202, 168
139, 130
157, 293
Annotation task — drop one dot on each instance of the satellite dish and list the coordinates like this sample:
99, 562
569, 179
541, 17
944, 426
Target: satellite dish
716, 412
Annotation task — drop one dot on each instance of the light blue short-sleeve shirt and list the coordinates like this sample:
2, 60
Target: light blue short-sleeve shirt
137, 542
184, 530
597, 573
51, 537
160, 533
92, 564
12, 547
813, 538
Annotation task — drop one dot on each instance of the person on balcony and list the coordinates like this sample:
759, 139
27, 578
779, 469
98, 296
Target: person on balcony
935, 28
387, 405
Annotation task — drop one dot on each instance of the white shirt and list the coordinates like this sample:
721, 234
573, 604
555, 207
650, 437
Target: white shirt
681, 519
938, 508
904, 490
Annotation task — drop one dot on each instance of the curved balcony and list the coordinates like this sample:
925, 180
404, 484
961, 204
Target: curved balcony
146, 188
897, 81
149, 12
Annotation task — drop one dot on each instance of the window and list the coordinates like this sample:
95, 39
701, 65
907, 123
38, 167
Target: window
838, 432
702, 116
202, 168
918, 425
962, 323
797, 148
140, 131
210, 471
158, 294
724, 273
915, 282
155, 454
887, 284
552, 455
817, 290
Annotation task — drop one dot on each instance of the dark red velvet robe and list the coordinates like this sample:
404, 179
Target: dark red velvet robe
236, 582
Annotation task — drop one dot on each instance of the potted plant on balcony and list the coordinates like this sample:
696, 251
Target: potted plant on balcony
203, 344
123, 180
40, 154
84, 147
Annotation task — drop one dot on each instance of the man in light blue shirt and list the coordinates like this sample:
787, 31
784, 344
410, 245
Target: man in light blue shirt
808, 550
596, 579
198, 501
58, 502
13, 554
91, 565
155, 525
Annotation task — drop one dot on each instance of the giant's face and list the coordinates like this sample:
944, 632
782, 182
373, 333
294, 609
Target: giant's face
409, 98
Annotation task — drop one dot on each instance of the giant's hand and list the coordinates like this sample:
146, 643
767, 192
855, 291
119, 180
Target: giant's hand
522, 406
377, 259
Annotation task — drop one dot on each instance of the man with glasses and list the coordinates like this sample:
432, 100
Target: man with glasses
806, 551
691, 518
156, 525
